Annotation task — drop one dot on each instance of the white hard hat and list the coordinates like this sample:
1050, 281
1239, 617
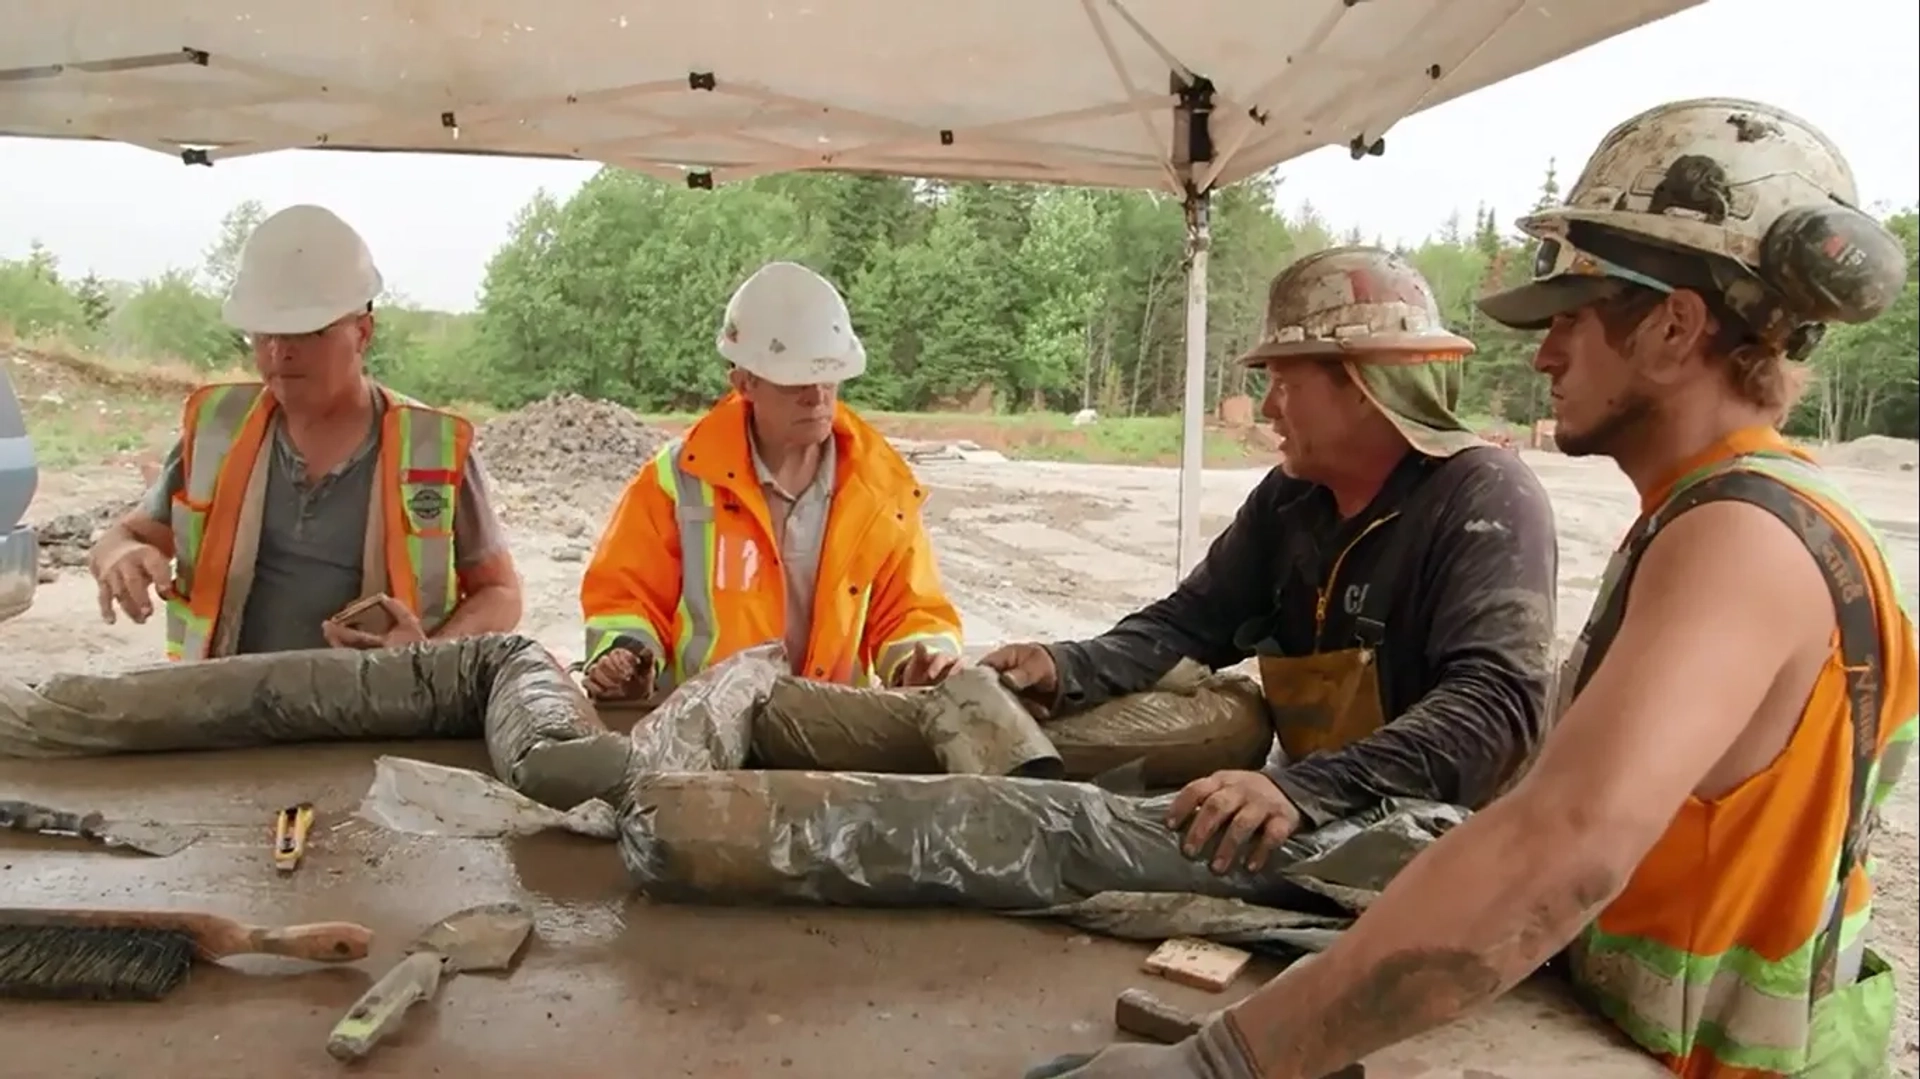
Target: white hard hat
1345, 300
1765, 196
301, 270
790, 326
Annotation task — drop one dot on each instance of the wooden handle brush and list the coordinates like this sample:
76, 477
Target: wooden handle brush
145, 954
214, 937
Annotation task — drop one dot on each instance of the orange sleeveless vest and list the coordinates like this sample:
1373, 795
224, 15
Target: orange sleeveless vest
1720, 957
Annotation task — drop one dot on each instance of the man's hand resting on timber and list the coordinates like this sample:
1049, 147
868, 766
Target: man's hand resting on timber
1027, 670
1249, 807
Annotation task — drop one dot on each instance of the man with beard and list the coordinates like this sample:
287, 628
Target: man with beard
1695, 831
1394, 576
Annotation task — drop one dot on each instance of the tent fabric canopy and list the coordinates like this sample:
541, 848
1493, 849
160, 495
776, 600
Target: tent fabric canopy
1057, 91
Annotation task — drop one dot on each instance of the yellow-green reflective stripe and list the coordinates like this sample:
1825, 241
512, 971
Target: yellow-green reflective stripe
1807, 478
223, 412
863, 675
693, 519
1746, 1010
900, 649
428, 442
217, 421
1894, 760
603, 630
693, 512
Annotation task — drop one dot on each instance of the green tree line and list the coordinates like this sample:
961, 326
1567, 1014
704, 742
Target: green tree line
1008, 296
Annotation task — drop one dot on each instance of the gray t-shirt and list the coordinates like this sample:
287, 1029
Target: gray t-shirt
800, 528
313, 537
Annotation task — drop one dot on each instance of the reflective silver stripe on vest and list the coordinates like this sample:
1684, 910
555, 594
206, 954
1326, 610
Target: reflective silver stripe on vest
216, 424
431, 439
693, 516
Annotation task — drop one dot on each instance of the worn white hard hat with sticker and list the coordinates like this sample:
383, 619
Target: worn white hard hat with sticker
1761, 193
790, 326
1348, 300
301, 270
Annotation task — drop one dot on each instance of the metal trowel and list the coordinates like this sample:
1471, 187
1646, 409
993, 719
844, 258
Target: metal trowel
486, 937
147, 837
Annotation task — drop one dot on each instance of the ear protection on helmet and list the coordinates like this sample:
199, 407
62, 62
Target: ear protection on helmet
1832, 263
1818, 264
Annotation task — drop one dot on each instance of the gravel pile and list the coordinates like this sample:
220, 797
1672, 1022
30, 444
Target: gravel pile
66, 539
567, 438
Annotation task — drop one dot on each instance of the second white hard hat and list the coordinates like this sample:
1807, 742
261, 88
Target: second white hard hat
790, 326
301, 270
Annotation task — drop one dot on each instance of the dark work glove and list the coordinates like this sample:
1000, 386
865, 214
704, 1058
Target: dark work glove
1214, 1053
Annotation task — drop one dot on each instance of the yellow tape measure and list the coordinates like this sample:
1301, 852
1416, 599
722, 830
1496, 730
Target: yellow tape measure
290, 829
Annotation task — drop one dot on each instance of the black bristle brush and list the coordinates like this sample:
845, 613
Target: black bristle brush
145, 954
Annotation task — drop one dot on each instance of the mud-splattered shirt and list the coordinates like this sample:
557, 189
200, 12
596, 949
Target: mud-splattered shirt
1466, 660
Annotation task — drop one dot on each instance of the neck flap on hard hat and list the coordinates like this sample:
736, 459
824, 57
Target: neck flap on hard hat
1420, 399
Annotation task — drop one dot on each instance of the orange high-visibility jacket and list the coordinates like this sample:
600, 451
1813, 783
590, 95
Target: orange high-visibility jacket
224, 441
688, 564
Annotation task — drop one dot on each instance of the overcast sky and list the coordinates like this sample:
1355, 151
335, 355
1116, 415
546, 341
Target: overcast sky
1852, 67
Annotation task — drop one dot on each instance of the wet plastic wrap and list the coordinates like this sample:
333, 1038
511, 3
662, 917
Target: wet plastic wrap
976, 726
505, 688
706, 723
986, 841
1192, 724
423, 798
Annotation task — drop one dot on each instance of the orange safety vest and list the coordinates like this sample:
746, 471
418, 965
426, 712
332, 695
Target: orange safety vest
688, 566
1736, 950
224, 434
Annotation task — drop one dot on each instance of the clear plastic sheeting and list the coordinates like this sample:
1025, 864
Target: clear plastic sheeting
706, 724
983, 841
696, 828
421, 798
1192, 724
505, 688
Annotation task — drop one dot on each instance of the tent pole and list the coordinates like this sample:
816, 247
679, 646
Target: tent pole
1194, 411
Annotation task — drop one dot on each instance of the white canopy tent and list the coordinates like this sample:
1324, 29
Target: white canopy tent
1173, 95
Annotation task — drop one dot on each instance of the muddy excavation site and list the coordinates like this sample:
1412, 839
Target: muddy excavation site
682, 982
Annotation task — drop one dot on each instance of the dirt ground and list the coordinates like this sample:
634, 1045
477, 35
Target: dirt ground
1028, 550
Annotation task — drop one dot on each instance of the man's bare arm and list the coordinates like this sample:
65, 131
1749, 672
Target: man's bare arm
491, 597
492, 602
1724, 599
131, 531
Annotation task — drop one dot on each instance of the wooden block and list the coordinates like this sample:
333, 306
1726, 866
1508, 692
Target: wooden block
1144, 1015
1201, 964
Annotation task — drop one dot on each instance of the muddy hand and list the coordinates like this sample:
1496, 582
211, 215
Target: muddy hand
620, 674
132, 582
1028, 670
924, 668
1246, 809
1214, 1053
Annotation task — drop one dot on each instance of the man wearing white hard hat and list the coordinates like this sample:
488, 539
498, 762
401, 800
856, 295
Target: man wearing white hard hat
287, 500
780, 515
